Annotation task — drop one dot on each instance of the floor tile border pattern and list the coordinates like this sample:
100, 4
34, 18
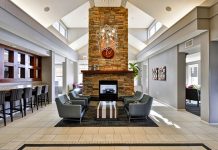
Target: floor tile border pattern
117, 144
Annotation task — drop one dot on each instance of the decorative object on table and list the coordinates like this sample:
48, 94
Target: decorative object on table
107, 41
155, 73
135, 68
93, 67
162, 73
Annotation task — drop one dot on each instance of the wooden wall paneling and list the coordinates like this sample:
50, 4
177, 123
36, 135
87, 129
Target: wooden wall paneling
27, 65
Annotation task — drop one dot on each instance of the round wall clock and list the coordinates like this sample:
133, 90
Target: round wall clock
108, 53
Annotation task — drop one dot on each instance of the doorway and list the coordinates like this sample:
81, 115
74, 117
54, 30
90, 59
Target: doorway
193, 83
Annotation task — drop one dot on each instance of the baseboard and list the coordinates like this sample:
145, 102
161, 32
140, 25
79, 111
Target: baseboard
212, 124
170, 105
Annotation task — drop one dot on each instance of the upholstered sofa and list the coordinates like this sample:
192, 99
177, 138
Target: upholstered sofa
139, 109
70, 109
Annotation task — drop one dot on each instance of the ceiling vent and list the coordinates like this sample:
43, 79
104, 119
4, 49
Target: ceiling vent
189, 43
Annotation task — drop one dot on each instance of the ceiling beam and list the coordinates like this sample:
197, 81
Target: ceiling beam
92, 3
123, 3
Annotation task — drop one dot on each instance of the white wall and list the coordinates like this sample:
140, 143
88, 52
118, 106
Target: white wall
69, 75
172, 90
48, 74
214, 23
165, 91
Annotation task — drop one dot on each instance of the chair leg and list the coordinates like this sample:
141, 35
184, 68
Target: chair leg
31, 103
41, 100
24, 105
11, 111
4, 115
21, 108
44, 99
37, 102
47, 98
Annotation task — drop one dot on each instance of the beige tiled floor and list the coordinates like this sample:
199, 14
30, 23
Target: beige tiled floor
174, 127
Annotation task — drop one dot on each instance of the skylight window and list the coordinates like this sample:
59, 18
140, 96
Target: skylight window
154, 28
60, 27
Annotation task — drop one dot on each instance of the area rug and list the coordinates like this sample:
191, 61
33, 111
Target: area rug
193, 108
121, 146
89, 120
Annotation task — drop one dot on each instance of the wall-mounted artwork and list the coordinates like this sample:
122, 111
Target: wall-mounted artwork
162, 73
155, 73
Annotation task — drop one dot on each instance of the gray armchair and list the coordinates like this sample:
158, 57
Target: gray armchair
139, 109
70, 109
74, 96
136, 97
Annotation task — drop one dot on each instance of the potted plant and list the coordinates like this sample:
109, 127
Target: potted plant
135, 68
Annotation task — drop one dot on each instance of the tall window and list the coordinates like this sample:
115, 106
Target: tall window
154, 28
61, 28
82, 65
192, 74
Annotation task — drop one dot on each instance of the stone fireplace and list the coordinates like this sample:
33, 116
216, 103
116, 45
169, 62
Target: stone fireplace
115, 68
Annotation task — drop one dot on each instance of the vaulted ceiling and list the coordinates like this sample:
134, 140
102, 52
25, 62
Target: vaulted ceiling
74, 14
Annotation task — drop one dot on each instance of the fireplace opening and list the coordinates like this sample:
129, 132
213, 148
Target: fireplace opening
108, 90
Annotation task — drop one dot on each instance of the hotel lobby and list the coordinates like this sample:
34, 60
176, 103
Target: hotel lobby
108, 74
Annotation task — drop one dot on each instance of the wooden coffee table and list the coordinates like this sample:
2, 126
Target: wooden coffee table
107, 110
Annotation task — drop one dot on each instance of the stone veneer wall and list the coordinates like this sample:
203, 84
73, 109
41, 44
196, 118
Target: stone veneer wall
125, 83
113, 16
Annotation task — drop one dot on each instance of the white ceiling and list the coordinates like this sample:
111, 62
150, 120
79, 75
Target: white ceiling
80, 42
107, 3
156, 9
79, 18
74, 14
137, 18
58, 9
136, 43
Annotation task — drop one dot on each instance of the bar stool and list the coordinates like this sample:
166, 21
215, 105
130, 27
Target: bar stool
37, 95
2, 102
44, 95
16, 95
27, 99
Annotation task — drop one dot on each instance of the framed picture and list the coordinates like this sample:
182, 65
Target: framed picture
162, 73
155, 73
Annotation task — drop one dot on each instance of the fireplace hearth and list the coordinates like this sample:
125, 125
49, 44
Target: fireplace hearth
91, 78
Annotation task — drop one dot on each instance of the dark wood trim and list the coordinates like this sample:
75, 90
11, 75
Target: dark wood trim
119, 144
15, 49
23, 66
105, 71
11, 80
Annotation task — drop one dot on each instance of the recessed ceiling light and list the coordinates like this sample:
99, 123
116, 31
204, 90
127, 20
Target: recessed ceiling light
46, 9
168, 8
